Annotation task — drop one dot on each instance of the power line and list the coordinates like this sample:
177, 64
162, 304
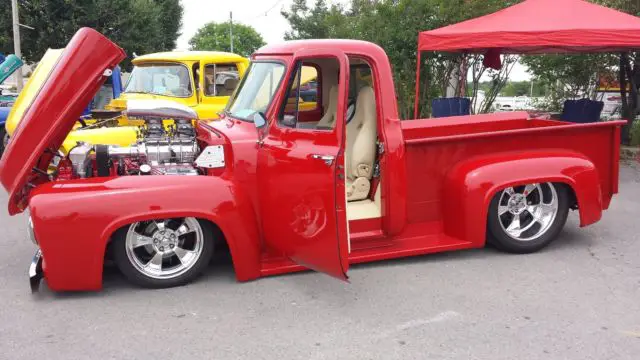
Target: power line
265, 13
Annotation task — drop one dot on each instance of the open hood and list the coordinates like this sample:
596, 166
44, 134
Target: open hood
50, 105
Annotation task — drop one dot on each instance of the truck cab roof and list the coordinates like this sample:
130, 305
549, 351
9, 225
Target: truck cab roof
348, 46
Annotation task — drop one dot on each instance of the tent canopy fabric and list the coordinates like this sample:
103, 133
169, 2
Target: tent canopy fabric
539, 26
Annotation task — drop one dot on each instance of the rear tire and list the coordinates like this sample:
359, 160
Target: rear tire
524, 219
163, 253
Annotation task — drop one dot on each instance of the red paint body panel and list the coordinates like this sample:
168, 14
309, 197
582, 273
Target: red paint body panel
74, 220
71, 85
273, 202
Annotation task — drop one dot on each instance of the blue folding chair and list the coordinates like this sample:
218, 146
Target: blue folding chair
582, 111
445, 107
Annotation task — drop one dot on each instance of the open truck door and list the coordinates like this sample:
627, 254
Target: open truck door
301, 178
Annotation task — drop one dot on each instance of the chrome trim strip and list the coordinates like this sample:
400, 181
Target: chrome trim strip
30, 232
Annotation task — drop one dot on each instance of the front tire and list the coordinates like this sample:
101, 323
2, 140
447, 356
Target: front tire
163, 253
524, 219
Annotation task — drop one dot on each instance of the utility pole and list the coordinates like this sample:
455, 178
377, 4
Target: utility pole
231, 29
531, 95
16, 42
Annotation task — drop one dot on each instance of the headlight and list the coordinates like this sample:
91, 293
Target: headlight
30, 233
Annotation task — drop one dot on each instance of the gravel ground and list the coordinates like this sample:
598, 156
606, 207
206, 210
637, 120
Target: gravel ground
577, 299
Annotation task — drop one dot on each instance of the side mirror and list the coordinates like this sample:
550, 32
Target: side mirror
259, 121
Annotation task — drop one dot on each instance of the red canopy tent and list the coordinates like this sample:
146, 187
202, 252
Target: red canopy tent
534, 27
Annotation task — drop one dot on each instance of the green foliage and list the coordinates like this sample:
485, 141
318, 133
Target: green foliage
514, 88
394, 25
6, 31
140, 26
171, 23
522, 88
215, 36
569, 76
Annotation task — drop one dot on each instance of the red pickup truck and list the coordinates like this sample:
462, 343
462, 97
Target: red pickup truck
288, 189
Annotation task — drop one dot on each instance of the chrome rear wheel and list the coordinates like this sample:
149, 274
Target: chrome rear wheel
526, 218
527, 212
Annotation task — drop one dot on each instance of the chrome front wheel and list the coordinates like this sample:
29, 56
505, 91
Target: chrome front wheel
526, 218
164, 252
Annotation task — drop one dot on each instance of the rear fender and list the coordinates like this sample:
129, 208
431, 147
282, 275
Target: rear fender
74, 220
471, 184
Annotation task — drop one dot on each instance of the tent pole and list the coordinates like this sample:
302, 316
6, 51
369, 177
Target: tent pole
415, 106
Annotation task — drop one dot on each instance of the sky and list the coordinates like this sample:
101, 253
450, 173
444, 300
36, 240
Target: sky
263, 15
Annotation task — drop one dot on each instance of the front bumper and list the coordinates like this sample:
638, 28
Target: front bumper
35, 271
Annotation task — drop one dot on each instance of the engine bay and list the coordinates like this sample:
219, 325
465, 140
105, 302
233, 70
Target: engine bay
160, 149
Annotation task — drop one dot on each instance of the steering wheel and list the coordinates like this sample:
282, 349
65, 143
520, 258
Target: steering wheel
181, 91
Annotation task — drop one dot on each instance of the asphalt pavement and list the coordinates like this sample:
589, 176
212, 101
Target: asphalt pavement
577, 299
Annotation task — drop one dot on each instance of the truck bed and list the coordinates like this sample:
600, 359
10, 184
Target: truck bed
434, 146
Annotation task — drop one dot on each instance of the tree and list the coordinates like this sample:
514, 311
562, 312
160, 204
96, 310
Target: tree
215, 36
172, 12
394, 25
576, 75
6, 31
569, 76
140, 26
495, 85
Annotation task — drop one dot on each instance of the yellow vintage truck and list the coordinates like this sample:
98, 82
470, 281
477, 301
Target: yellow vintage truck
200, 80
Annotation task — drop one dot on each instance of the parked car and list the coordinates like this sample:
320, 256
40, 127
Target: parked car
111, 89
203, 80
288, 189
8, 65
192, 78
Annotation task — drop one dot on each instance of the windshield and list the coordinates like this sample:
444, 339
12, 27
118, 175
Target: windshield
256, 90
160, 79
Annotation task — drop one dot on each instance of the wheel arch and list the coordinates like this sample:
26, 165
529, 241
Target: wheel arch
244, 249
218, 233
86, 217
471, 185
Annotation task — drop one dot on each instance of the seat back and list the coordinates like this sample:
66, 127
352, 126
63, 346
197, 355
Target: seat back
329, 118
360, 152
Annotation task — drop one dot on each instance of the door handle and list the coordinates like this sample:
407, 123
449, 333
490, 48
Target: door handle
328, 159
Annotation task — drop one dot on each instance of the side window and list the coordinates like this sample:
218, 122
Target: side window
304, 94
220, 79
309, 94
195, 70
359, 77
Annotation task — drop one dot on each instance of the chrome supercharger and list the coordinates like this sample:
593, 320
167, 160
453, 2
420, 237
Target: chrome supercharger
159, 150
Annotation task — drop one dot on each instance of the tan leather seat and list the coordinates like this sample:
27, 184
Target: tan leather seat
360, 153
329, 118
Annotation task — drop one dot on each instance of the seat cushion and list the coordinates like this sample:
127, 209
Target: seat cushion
358, 188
